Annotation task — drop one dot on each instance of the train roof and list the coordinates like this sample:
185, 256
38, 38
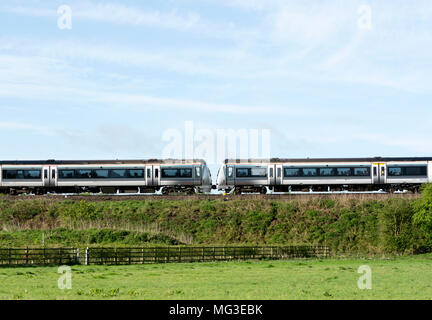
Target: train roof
97, 162
374, 159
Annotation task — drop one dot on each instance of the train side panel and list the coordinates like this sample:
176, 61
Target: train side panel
309, 174
406, 174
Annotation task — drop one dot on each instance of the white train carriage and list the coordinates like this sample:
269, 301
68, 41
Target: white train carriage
144, 176
353, 174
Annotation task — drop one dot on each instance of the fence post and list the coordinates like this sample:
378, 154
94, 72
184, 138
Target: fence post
27, 255
168, 256
179, 255
129, 255
115, 256
214, 253
86, 257
77, 256
202, 253
142, 255
10, 256
60, 252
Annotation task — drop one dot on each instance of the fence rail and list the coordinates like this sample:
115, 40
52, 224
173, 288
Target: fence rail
119, 256
38, 256
144, 255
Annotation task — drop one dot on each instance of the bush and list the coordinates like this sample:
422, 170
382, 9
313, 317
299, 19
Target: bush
423, 213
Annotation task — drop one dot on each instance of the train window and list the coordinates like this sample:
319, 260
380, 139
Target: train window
45, 174
407, 171
53, 174
416, 171
157, 173
242, 172
271, 172
260, 172
148, 173
66, 174
345, 172
118, 174
362, 172
279, 172
310, 172
177, 173
135, 173
198, 172
83, 174
394, 172
101, 173
292, 172
375, 171
326, 172
186, 173
230, 171
22, 174
169, 173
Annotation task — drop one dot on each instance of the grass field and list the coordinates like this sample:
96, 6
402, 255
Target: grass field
407, 277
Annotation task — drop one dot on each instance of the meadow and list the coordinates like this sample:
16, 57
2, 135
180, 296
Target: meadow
406, 277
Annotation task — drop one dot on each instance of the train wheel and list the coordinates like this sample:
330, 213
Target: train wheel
263, 190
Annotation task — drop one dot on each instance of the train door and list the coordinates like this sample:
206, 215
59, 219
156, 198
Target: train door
149, 175
379, 173
383, 173
46, 176
53, 177
278, 174
230, 175
198, 175
271, 175
375, 176
156, 175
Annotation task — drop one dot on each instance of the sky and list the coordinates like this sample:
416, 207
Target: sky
328, 78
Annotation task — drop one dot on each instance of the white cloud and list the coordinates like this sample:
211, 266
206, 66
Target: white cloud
25, 126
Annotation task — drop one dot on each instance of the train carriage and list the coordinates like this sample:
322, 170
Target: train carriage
351, 174
139, 176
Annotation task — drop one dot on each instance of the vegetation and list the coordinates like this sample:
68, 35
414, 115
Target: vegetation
399, 278
396, 225
62, 237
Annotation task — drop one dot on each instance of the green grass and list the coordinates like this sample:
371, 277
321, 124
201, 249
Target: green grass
406, 277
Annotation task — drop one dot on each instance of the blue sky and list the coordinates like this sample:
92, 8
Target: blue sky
128, 71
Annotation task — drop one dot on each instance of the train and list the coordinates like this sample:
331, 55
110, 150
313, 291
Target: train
332, 174
191, 176
105, 176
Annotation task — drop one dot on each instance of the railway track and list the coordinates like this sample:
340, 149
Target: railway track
229, 197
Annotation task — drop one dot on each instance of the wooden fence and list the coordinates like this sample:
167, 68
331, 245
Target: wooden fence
124, 256
38, 256
119, 256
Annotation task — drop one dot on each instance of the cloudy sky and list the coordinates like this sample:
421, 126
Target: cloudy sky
326, 80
